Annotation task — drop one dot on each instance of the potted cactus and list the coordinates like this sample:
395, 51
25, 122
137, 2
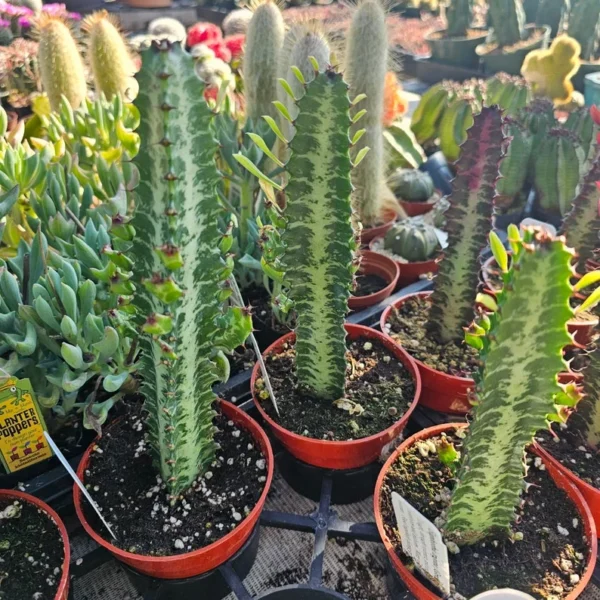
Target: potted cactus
30, 528
414, 190
430, 325
326, 414
456, 44
189, 446
512, 39
584, 26
486, 490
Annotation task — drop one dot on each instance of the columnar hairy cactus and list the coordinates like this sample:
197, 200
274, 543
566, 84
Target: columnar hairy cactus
584, 26
415, 241
581, 225
264, 41
237, 21
109, 57
508, 21
180, 266
468, 223
521, 345
459, 14
553, 13
168, 27
61, 67
366, 68
558, 165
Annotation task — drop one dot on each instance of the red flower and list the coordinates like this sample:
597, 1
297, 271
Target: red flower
210, 93
220, 49
202, 33
235, 44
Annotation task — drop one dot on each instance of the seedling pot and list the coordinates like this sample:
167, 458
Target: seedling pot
414, 209
373, 263
205, 559
411, 271
302, 592
442, 392
558, 476
62, 591
351, 454
459, 51
369, 233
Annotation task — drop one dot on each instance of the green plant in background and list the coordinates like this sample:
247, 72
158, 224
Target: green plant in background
584, 26
521, 344
558, 163
411, 185
580, 121
459, 14
413, 240
508, 21
510, 93
61, 66
179, 264
581, 225
401, 147
365, 70
264, 41
553, 13
468, 223
109, 57
317, 243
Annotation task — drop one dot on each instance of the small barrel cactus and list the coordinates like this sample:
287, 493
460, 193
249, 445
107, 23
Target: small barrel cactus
61, 67
411, 185
413, 240
109, 56
167, 27
237, 21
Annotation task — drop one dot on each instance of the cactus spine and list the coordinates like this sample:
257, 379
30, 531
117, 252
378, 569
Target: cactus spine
584, 26
61, 67
180, 266
468, 223
264, 41
366, 67
508, 21
520, 347
459, 15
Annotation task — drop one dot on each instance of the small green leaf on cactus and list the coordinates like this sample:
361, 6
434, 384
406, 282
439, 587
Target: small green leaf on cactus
447, 453
499, 251
283, 110
315, 63
357, 136
275, 129
165, 289
359, 115
252, 168
258, 140
157, 324
487, 301
298, 73
358, 99
170, 257
587, 280
590, 302
361, 154
287, 88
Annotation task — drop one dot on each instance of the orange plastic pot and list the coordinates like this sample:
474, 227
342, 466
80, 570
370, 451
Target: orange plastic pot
414, 209
411, 271
205, 559
372, 263
351, 454
63, 587
560, 479
441, 392
369, 233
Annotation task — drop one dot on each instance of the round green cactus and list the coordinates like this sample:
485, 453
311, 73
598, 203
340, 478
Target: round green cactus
411, 185
413, 240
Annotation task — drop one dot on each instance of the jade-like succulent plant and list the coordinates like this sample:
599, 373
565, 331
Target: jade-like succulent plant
411, 185
179, 266
413, 240
521, 346
508, 21
459, 14
468, 222
584, 26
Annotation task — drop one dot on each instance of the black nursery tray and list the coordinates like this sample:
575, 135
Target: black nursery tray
432, 72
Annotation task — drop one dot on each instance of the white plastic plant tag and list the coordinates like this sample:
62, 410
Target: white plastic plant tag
529, 222
423, 542
442, 237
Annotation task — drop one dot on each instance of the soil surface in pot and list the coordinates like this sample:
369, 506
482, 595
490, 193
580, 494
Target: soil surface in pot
369, 284
31, 553
262, 313
547, 563
493, 48
376, 383
241, 359
133, 498
407, 327
568, 445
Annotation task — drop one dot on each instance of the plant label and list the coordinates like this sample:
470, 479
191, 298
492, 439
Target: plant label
423, 542
22, 441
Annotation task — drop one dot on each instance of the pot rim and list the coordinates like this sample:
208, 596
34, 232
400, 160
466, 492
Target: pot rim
436, 259
364, 331
63, 585
484, 34
253, 515
545, 29
370, 256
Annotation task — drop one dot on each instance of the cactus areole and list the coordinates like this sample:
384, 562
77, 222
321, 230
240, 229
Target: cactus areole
179, 263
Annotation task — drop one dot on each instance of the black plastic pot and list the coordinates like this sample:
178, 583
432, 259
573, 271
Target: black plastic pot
437, 167
456, 51
585, 68
302, 592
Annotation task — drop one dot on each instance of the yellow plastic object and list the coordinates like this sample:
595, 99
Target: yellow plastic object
550, 71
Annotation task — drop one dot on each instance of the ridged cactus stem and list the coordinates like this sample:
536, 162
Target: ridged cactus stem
508, 21
553, 13
109, 56
468, 224
264, 41
584, 26
581, 226
521, 345
180, 266
61, 67
459, 15
366, 67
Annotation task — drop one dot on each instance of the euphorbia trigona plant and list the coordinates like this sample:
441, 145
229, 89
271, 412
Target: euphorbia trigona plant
179, 261
517, 393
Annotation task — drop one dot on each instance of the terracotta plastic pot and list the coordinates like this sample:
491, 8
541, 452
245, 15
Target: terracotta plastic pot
369, 233
62, 592
414, 209
352, 454
373, 263
559, 478
205, 559
441, 392
412, 271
